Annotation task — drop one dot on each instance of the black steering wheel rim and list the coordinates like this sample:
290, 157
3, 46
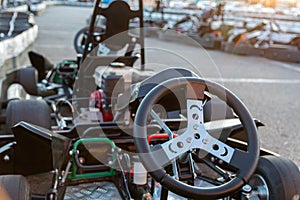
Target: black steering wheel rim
248, 164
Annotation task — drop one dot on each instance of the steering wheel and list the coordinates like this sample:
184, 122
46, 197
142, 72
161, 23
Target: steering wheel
195, 137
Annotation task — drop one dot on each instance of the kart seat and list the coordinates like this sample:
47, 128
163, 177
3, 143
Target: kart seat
118, 16
38, 150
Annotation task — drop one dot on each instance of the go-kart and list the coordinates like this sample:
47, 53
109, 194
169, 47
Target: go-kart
199, 27
242, 40
265, 39
266, 34
53, 82
169, 135
173, 135
41, 79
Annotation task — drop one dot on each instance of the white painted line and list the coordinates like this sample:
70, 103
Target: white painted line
255, 80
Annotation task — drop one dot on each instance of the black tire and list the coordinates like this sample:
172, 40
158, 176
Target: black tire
79, 39
32, 111
28, 78
14, 187
282, 178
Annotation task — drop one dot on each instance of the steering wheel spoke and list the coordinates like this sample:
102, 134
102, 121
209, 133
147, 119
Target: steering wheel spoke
177, 146
213, 146
201, 138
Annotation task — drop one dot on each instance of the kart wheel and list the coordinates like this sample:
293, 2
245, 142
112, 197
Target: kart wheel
81, 36
276, 178
33, 111
28, 79
79, 39
14, 187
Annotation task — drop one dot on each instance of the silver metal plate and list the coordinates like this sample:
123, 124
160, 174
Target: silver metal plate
97, 190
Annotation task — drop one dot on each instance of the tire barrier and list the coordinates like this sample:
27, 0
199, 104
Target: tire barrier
16, 34
21, 8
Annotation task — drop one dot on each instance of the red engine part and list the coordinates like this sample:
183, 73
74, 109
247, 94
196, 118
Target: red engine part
160, 136
97, 101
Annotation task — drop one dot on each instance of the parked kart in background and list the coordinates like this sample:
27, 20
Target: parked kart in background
43, 78
209, 36
242, 40
186, 25
81, 36
264, 39
127, 133
265, 35
100, 33
199, 27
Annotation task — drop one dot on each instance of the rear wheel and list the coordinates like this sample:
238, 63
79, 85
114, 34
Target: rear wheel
33, 111
14, 187
276, 178
81, 36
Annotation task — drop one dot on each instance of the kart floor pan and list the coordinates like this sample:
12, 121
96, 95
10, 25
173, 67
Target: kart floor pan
96, 190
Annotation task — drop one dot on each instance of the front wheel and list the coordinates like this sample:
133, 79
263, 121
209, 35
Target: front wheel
276, 178
14, 187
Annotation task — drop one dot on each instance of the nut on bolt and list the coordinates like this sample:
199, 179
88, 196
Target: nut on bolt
147, 196
6, 158
247, 188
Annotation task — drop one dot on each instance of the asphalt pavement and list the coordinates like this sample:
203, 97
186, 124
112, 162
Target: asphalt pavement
270, 89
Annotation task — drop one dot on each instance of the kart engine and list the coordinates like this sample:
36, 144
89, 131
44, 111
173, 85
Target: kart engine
111, 81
